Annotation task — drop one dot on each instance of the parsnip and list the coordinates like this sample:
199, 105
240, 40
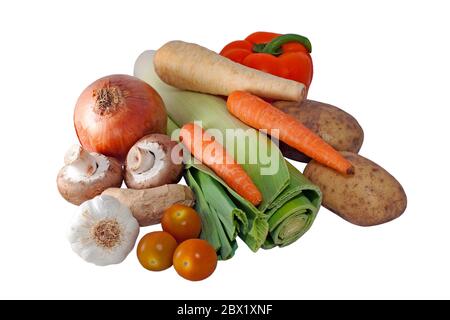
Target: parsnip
148, 205
192, 67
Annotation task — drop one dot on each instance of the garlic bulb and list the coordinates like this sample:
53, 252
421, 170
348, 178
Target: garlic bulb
103, 231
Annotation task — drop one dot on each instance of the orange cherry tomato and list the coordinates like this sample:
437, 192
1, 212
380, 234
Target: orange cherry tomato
181, 222
195, 259
155, 250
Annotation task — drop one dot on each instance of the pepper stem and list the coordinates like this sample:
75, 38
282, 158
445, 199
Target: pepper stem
274, 46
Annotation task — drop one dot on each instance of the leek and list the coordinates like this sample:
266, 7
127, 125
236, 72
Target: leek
290, 201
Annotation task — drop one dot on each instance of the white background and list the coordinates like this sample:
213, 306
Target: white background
385, 62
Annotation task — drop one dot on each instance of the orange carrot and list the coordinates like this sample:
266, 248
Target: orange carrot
213, 154
260, 114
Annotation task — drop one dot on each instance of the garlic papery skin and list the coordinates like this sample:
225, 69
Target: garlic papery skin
103, 231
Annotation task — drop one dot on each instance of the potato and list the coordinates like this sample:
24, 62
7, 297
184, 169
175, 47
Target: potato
332, 124
369, 197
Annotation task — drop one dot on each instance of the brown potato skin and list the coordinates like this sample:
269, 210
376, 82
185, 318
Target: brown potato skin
370, 197
333, 125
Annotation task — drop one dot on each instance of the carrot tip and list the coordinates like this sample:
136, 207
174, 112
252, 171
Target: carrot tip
256, 202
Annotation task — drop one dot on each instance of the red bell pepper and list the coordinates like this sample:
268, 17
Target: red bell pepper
286, 56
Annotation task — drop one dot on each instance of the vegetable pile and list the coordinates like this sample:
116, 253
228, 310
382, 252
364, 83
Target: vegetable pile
216, 120
289, 201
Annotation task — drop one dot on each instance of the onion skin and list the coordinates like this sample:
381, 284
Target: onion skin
114, 112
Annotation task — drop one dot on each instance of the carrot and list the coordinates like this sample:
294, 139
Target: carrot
211, 153
259, 114
189, 66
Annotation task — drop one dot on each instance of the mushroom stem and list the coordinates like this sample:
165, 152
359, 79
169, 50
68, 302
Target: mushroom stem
80, 161
140, 160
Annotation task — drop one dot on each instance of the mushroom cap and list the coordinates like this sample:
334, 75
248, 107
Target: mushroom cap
77, 191
164, 170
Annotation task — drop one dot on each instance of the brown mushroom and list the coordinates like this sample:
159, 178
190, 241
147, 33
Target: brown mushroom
153, 161
86, 175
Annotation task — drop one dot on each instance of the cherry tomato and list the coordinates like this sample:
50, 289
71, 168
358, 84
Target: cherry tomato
155, 250
195, 259
181, 222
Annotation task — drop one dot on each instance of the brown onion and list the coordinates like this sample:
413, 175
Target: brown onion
115, 111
